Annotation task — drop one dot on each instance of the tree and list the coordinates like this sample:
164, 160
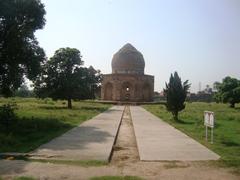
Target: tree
64, 78
23, 91
217, 95
176, 94
92, 82
20, 54
228, 91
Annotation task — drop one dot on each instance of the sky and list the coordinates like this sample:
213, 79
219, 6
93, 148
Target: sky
200, 39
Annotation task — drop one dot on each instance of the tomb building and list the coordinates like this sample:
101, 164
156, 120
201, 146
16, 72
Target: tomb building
128, 81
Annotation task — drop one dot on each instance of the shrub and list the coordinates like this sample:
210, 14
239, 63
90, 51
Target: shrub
7, 114
176, 93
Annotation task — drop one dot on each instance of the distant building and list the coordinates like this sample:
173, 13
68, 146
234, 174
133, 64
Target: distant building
128, 81
202, 96
159, 96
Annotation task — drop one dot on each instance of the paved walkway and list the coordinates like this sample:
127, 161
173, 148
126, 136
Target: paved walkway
158, 140
92, 140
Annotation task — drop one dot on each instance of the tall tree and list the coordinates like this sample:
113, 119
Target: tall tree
176, 93
228, 91
20, 54
64, 78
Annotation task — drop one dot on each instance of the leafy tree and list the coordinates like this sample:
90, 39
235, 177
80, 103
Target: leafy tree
64, 78
23, 91
176, 94
20, 54
217, 95
228, 91
91, 82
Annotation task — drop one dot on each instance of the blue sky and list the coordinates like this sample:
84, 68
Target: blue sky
200, 39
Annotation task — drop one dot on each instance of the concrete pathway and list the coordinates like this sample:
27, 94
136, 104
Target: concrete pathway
92, 140
125, 149
158, 140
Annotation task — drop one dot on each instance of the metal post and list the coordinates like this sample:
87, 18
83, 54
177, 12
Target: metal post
206, 133
212, 136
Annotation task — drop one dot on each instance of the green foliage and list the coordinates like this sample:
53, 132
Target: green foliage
228, 91
176, 94
7, 115
39, 121
24, 91
24, 178
116, 178
20, 54
64, 78
226, 130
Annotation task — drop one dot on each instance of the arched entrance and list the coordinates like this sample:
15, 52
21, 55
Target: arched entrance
108, 93
126, 91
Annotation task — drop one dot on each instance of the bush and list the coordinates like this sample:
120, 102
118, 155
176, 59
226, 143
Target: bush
7, 114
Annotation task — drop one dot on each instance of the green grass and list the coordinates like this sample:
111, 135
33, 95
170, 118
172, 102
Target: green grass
226, 131
24, 178
39, 121
116, 178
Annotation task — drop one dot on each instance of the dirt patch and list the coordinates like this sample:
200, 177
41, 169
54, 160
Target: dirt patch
171, 165
125, 149
146, 170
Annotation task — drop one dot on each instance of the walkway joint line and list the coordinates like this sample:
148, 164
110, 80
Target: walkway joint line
115, 139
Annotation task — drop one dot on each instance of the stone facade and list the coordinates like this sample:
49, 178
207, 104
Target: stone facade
128, 81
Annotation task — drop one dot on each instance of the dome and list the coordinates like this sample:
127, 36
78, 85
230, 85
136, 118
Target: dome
128, 60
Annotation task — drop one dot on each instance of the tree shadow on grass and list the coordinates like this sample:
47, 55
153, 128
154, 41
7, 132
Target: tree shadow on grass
54, 107
29, 133
88, 108
184, 122
237, 108
26, 134
229, 143
74, 141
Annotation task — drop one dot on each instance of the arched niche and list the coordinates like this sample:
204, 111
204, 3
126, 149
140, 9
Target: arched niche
146, 92
137, 92
108, 91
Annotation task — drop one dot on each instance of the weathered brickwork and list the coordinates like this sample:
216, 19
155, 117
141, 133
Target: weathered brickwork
127, 81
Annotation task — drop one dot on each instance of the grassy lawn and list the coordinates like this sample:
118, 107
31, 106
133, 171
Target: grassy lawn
116, 178
24, 178
41, 120
226, 131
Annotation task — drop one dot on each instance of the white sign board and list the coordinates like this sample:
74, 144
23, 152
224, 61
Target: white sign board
209, 119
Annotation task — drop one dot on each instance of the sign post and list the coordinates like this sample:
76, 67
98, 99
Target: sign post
209, 122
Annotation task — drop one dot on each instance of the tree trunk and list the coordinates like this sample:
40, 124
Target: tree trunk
175, 115
69, 103
232, 105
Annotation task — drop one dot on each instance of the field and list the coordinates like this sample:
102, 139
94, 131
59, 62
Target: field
226, 131
39, 121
